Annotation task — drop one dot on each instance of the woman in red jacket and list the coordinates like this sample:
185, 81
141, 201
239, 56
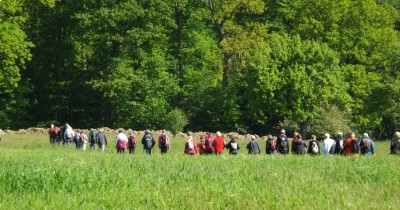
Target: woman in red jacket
350, 145
219, 144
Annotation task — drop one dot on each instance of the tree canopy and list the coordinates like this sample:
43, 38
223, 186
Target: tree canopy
246, 66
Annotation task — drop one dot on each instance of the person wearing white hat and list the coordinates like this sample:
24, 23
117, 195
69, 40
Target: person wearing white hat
367, 146
283, 143
328, 145
253, 146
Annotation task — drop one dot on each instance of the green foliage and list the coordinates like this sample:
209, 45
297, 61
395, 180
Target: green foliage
175, 121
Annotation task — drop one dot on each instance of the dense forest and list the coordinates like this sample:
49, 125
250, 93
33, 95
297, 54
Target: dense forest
230, 65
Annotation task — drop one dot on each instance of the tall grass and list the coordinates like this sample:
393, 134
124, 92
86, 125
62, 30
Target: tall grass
36, 175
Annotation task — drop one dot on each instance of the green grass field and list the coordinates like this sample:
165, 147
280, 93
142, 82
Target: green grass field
37, 175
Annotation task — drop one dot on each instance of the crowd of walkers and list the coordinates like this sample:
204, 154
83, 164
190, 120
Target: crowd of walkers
340, 144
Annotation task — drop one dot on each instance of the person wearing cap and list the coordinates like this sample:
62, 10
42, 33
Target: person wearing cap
253, 146
367, 146
148, 142
93, 138
219, 144
339, 143
395, 144
101, 140
350, 145
233, 146
328, 145
313, 146
190, 147
283, 143
121, 141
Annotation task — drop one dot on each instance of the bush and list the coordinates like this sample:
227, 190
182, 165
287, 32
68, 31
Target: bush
175, 121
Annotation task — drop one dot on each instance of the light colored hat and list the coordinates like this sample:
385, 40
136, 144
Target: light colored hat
397, 134
327, 135
219, 133
253, 137
340, 133
283, 131
365, 135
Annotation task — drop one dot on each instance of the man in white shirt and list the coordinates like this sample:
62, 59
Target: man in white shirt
328, 145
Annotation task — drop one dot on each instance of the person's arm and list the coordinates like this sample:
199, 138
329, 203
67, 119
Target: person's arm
373, 148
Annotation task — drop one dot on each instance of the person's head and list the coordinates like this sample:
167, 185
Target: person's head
219, 133
52, 126
351, 135
81, 132
252, 137
131, 133
298, 136
365, 135
283, 131
120, 131
270, 136
313, 137
397, 134
101, 130
147, 132
190, 138
340, 134
327, 135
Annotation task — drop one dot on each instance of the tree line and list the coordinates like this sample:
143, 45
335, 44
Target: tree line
239, 65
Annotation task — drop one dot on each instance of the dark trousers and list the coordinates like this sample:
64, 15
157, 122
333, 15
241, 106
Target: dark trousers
131, 150
147, 151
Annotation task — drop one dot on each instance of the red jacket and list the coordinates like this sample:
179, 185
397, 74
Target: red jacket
219, 144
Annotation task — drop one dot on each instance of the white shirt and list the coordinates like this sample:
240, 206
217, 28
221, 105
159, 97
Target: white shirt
122, 137
327, 145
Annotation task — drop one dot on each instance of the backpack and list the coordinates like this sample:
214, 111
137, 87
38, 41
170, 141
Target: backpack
314, 147
284, 146
272, 145
338, 148
148, 143
190, 145
365, 145
163, 141
131, 141
234, 145
355, 147
208, 145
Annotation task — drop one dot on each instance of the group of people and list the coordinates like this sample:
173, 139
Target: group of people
280, 145
209, 144
67, 136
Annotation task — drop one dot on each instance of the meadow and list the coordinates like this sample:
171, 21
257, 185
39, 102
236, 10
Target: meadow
37, 175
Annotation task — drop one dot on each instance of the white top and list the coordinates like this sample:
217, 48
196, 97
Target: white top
122, 137
327, 145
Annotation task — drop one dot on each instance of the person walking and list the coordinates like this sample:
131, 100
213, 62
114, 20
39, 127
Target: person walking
190, 147
367, 146
233, 146
121, 142
313, 146
253, 146
328, 145
350, 145
163, 142
395, 144
131, 143
283, 143
101, 139
219, 144
270, 145
148, 142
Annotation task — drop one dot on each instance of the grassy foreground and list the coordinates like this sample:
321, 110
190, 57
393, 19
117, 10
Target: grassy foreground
36, 175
